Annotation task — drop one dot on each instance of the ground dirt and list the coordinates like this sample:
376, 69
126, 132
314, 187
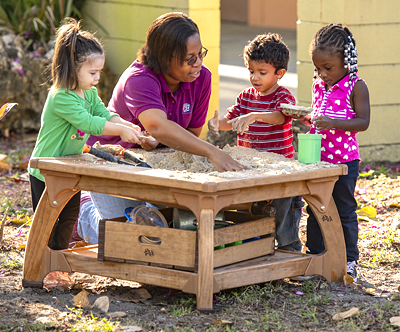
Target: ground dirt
281, 305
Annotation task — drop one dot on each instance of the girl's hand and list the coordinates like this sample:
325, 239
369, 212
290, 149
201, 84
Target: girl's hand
241, 123
323, 122
128, 134
213, 124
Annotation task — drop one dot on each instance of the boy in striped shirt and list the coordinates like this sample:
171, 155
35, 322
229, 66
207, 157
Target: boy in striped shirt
258, 119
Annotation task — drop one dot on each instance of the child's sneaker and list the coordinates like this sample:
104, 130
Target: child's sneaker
352, 270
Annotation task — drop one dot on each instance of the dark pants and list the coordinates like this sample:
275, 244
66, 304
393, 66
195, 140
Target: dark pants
62, 231
343, 195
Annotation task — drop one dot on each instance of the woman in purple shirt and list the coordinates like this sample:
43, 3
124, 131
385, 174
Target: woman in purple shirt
166, 92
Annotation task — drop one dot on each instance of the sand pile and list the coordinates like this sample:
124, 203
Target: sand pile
258, 162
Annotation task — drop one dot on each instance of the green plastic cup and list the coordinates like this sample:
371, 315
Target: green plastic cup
309, 148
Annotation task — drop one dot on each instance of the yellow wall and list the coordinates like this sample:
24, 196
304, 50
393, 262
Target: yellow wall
126, 22
375, 26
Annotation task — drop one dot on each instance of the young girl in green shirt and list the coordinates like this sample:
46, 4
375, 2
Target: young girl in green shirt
72, 112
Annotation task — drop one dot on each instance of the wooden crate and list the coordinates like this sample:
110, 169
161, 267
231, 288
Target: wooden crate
119, 240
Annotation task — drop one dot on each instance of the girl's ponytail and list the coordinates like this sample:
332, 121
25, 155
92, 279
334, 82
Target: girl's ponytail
72, 48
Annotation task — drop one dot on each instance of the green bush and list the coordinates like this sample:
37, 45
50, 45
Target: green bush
37, 20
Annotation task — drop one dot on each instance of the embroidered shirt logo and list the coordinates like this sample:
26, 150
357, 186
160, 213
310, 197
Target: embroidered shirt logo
78, 136
187, 108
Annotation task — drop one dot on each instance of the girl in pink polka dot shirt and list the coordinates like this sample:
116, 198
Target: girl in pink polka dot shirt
341, 110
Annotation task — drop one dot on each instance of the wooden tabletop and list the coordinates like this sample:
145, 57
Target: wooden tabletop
87, 165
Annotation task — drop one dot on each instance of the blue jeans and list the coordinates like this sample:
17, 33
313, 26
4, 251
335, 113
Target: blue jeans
346, 204
288, 215
101, 206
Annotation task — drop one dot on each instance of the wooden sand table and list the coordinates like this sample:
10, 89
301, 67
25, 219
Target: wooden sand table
189, 261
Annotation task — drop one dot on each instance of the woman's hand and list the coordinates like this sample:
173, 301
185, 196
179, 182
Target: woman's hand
148, 144
223, 162
323, 122
242, 123
213, 124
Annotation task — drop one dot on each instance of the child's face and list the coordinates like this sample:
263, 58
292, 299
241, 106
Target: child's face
89, 72
263, 77
330, 67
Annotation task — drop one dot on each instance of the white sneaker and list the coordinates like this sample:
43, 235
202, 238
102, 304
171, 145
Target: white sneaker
352, 270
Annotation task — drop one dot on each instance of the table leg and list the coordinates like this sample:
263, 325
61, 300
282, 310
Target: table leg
206, 261
332, 232
43, 222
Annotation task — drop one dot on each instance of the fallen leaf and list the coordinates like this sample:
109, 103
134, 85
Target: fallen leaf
346, 314
296, 292
23, 219
395, 321
370, 291
135, 295
81, 244
366, 213
131, 328
6, 108
103, 303
81, 300
117, 314
219, 322
347, 279
57, 279
4, 166
23, 165
3, 156
394, 205
22, 245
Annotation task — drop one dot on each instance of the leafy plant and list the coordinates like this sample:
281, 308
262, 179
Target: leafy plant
37, 19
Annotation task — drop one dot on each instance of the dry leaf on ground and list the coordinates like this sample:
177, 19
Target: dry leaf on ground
395, 321
347, 279
346, 314
4, 166
135, 295
116, 314
81, 300
103, 303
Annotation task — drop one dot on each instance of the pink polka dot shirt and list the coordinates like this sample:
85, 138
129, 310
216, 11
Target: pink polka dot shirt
337, 146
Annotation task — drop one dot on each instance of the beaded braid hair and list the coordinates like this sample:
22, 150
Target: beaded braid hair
337, 38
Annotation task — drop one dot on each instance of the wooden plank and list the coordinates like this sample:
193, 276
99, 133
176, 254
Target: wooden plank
138, 191
206, 260
244, 231
123, 241
139, 273
260, 270
244, 251
240, 217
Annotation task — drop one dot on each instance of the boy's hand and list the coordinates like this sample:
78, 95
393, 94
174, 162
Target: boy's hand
241, 123
213, 124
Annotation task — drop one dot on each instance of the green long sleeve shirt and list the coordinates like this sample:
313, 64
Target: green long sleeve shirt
66, 123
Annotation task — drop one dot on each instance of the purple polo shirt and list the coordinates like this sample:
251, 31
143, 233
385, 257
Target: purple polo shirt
139, 89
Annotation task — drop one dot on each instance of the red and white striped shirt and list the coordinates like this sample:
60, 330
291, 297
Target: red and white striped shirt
264, 136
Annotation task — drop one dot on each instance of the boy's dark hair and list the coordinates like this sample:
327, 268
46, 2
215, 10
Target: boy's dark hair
72, 48
166, 38
337, 39
269, 48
